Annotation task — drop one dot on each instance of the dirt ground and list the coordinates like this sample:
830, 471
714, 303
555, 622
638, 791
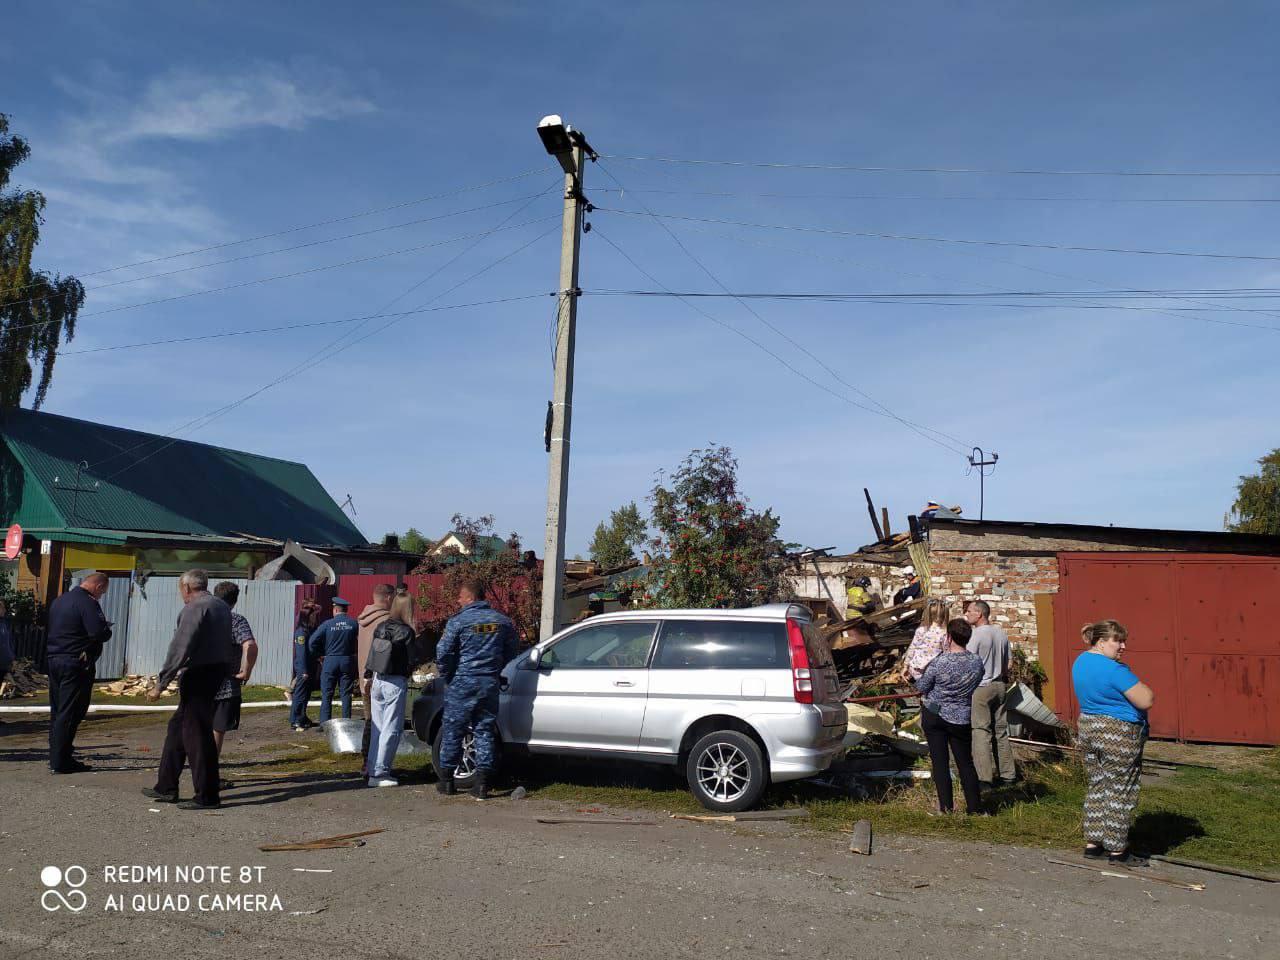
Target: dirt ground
455, 878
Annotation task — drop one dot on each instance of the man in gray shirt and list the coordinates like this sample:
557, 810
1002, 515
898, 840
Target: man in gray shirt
200, 651
990, 719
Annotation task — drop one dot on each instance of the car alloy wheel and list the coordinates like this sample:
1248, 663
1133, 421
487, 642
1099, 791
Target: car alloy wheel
724, 772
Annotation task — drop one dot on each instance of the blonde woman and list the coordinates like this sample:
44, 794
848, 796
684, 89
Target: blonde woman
1112, 733
387, 673
930, 638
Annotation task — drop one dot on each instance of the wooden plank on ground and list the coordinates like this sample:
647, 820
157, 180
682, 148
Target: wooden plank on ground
860, 842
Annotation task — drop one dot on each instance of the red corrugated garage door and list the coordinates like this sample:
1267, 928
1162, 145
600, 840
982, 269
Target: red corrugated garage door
1204, 633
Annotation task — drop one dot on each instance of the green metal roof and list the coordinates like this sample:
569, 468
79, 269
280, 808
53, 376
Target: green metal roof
142, 482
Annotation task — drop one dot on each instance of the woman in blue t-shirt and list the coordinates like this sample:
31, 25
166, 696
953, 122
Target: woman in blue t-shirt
1112, 732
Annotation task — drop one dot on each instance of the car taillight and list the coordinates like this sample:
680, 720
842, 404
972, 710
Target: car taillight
802, 678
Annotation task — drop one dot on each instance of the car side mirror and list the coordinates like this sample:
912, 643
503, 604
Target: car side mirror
533, 661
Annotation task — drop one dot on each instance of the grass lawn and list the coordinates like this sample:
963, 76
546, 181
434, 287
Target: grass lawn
1219, 816
1216, 816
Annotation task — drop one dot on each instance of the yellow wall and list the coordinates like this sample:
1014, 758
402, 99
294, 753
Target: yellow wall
94, 556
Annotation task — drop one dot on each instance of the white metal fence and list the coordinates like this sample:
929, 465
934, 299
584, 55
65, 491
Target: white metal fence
268, 605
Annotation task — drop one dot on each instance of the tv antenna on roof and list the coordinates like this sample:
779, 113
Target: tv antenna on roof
349, 503
76, 489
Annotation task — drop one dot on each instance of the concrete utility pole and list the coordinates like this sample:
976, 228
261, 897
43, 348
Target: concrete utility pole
570, 148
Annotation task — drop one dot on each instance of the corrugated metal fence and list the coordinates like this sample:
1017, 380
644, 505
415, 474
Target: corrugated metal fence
268, 605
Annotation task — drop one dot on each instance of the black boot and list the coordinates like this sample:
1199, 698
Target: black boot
480, 789
445, 785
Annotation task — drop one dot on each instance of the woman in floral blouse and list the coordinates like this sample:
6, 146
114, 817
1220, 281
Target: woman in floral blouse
930, 639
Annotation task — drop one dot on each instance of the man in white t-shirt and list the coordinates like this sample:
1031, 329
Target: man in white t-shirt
992, 752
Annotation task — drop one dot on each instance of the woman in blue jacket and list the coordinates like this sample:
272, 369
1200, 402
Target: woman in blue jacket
1112, 733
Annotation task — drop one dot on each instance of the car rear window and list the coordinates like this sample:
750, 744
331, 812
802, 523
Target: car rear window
721, 645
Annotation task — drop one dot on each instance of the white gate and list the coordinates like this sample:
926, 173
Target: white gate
115, 607
268, 605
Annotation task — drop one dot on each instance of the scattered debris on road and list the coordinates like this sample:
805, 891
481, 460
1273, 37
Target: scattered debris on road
602, 821
323, 843
1125, 874
746, 816
860, 842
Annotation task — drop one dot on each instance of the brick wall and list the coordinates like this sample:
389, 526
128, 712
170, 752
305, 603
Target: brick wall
1009, 582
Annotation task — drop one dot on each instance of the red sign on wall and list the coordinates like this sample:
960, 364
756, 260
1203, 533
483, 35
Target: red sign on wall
13, 543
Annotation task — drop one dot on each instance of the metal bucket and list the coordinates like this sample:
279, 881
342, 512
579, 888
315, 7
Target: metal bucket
344, 735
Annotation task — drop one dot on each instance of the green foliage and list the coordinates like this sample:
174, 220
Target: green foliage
1257, 505
711, 549
512, 581
615, 542
21, 604
36, 310
412, 541
1024, 670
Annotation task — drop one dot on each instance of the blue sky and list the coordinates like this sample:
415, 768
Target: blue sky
158, 128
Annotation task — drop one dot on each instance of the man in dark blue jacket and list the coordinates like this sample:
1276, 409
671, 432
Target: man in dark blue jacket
335, 640
77, 631
477, 643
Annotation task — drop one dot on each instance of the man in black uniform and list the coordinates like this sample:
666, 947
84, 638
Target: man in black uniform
77, 631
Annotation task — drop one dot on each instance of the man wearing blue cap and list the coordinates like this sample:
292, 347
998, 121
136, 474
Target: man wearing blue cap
335, 640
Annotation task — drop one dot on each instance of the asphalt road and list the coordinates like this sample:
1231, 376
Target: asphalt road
455, 878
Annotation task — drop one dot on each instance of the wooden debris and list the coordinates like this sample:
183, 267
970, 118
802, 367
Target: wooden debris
746, 816
598, 821
1216, 868
24, 680
860, 842
323, 843
1112, 870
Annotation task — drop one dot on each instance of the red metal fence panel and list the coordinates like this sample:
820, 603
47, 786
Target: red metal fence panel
1202, 635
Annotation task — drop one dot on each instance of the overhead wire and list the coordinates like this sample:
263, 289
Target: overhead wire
301, 273
988, 198
267, 253
756, 343
335, 346
309, 226
915, 427
952, 240
285, 327
1033, 172
810, 253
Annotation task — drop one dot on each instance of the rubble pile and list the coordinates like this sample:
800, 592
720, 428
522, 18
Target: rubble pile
135, 686
24, 680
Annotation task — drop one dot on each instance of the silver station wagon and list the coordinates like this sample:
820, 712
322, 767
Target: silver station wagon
736, 699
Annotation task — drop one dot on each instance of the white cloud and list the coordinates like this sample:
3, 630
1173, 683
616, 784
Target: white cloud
190, 105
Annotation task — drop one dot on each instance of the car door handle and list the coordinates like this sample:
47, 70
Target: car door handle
623, 683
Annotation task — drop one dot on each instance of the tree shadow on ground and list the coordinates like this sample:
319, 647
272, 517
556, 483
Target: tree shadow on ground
1161, 831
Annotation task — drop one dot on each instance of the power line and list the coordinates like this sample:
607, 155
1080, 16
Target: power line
290, 326
891, 300
756, 242
964, 170
988, 198
267, 253
801, 347
922, 239
762, 347
310, 270
336, 345
307, 226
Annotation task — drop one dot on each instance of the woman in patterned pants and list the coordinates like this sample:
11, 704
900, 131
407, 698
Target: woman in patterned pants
1112, 733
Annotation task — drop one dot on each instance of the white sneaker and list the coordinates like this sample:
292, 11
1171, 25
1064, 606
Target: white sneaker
383, 782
